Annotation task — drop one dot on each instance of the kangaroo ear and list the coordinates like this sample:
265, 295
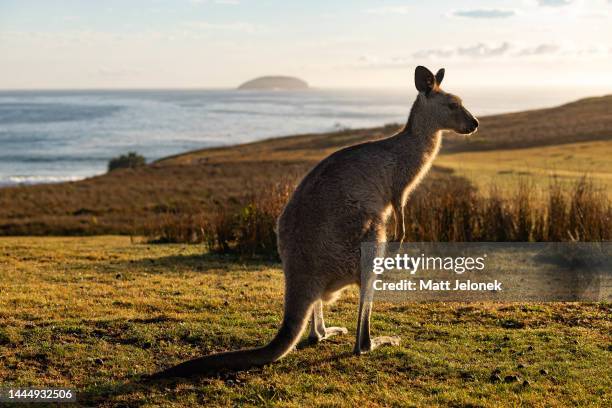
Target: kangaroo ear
424, 79
440, 76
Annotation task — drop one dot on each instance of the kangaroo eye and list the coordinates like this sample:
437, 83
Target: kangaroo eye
453, 105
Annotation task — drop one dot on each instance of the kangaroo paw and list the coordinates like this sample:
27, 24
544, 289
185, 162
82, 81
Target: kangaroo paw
329, 332
332, 331
376, 342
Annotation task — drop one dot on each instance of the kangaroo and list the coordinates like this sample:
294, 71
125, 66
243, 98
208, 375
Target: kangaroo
345, 200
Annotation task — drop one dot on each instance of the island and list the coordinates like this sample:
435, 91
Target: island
275, 83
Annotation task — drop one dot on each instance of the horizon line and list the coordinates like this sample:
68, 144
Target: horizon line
310, 88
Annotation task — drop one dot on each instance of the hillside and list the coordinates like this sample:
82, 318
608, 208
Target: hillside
583, 120
125, 201
507, 168
275, 82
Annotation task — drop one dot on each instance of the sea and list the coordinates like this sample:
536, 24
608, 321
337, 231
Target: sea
54, 136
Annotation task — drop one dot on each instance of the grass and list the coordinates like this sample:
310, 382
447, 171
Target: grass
507, 168
95, 313
445, 208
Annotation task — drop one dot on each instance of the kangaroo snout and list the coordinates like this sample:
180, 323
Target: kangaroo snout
474, 125
471, 127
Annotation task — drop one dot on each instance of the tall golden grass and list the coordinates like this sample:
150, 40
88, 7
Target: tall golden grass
248, 231
447, 210
459, 212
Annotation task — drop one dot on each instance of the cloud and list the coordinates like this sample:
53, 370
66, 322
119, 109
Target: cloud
481, 50
434, 53
554, 3
508, 50
484, 13
476, 51
541, 49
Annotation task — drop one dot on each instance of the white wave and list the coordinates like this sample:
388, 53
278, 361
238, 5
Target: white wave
17, 180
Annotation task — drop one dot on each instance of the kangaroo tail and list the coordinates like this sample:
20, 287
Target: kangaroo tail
297, 309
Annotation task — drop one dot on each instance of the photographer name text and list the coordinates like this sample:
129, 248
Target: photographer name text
436, 286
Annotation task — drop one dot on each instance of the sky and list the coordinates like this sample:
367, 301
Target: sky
70, 44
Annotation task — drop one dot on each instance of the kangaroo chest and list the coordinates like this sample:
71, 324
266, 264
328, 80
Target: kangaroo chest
417, 165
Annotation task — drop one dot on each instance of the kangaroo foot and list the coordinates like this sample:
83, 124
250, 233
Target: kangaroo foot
375, 342
329, 332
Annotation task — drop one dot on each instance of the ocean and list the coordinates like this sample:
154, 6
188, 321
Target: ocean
52, 136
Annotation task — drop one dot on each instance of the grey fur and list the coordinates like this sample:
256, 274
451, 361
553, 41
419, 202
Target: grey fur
345, 200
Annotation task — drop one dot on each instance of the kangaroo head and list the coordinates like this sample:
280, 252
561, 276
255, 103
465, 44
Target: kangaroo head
443, 110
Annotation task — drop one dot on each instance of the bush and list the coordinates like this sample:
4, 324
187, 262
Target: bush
131, 160
256, 226
249, 230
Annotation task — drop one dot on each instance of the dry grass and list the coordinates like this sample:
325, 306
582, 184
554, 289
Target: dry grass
459, 212
126, 201
445, 208
247, 230
507, 168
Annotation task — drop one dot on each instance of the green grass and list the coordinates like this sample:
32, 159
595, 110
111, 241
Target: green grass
96, 313
506, 168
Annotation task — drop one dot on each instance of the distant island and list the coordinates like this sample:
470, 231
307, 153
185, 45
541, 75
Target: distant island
275, 82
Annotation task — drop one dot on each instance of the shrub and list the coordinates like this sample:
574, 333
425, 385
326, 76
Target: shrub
131, 160
256, 227
249, 231
177, 228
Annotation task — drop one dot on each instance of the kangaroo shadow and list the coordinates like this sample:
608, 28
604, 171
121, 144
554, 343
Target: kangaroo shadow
144, 385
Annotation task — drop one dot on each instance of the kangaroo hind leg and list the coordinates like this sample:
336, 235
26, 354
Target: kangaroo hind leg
318, 331
364, 343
